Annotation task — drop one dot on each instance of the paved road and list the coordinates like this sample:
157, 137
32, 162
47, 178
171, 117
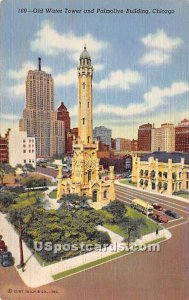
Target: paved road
140, 276
126, 194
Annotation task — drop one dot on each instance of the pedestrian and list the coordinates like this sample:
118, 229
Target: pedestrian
157, 231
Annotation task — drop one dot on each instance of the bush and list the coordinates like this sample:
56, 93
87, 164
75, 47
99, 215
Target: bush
103, 238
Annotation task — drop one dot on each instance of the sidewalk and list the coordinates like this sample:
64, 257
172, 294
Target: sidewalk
152, 192
36, 275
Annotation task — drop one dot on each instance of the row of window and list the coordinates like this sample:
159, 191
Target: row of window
29, 161
30, 151
161, 174
30, 141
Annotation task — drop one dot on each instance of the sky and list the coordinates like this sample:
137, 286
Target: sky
140, 59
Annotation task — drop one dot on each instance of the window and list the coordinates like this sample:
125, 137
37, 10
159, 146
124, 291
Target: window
24, 160
24, 151
29, 151
105, 194
89, 176
24, 141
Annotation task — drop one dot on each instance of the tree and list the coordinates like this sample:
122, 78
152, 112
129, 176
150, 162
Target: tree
5, 169
21, 224
132, 227
117, 209
6, 199
21, 216
31, 181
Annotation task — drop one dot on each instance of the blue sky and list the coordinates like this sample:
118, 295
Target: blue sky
140, 60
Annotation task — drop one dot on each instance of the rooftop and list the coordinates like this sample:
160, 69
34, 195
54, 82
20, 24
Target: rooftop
164, 156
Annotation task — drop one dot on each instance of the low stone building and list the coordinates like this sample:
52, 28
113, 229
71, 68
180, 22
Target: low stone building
162, 172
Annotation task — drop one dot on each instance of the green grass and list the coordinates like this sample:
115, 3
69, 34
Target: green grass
128, 182
183, 195
53, 194
151, 226
156, 241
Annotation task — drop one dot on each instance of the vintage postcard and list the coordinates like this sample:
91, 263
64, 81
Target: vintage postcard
94, 149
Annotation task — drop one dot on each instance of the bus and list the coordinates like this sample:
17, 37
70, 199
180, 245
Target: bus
142, 206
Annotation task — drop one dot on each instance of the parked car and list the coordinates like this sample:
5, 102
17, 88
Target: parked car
2, 246
160, 218
172, 214
157, 206
6, 259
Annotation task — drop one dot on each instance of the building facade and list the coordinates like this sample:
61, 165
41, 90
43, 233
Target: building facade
123, 144
162, 172
4, 148
163, 138
103, 134
36, 118
63, 115
85, 179
21, 148
57, 145
182, 136
144, 137
71, 136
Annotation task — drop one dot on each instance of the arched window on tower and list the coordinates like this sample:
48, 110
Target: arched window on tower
88, 139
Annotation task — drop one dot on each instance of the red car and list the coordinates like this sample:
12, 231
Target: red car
160, 218
2, 246
157, 206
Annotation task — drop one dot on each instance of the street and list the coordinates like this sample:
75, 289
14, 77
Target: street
140, 276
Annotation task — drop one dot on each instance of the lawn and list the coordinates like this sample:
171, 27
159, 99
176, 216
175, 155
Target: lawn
183, 195
151, 225
53, 194
128, 182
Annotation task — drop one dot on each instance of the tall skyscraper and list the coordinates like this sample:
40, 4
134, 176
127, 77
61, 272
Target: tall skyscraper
39, 107
144, 137
85, 179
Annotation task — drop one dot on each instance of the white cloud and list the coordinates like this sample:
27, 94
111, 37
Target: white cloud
17, 90
160, 40
67, 78
153, 99
9, 117
98, 67
155, 58
70, 77
121, 79
159, 48
21, 73
49, 41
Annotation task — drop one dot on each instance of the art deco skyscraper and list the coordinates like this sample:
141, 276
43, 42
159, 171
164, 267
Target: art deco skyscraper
39, 108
